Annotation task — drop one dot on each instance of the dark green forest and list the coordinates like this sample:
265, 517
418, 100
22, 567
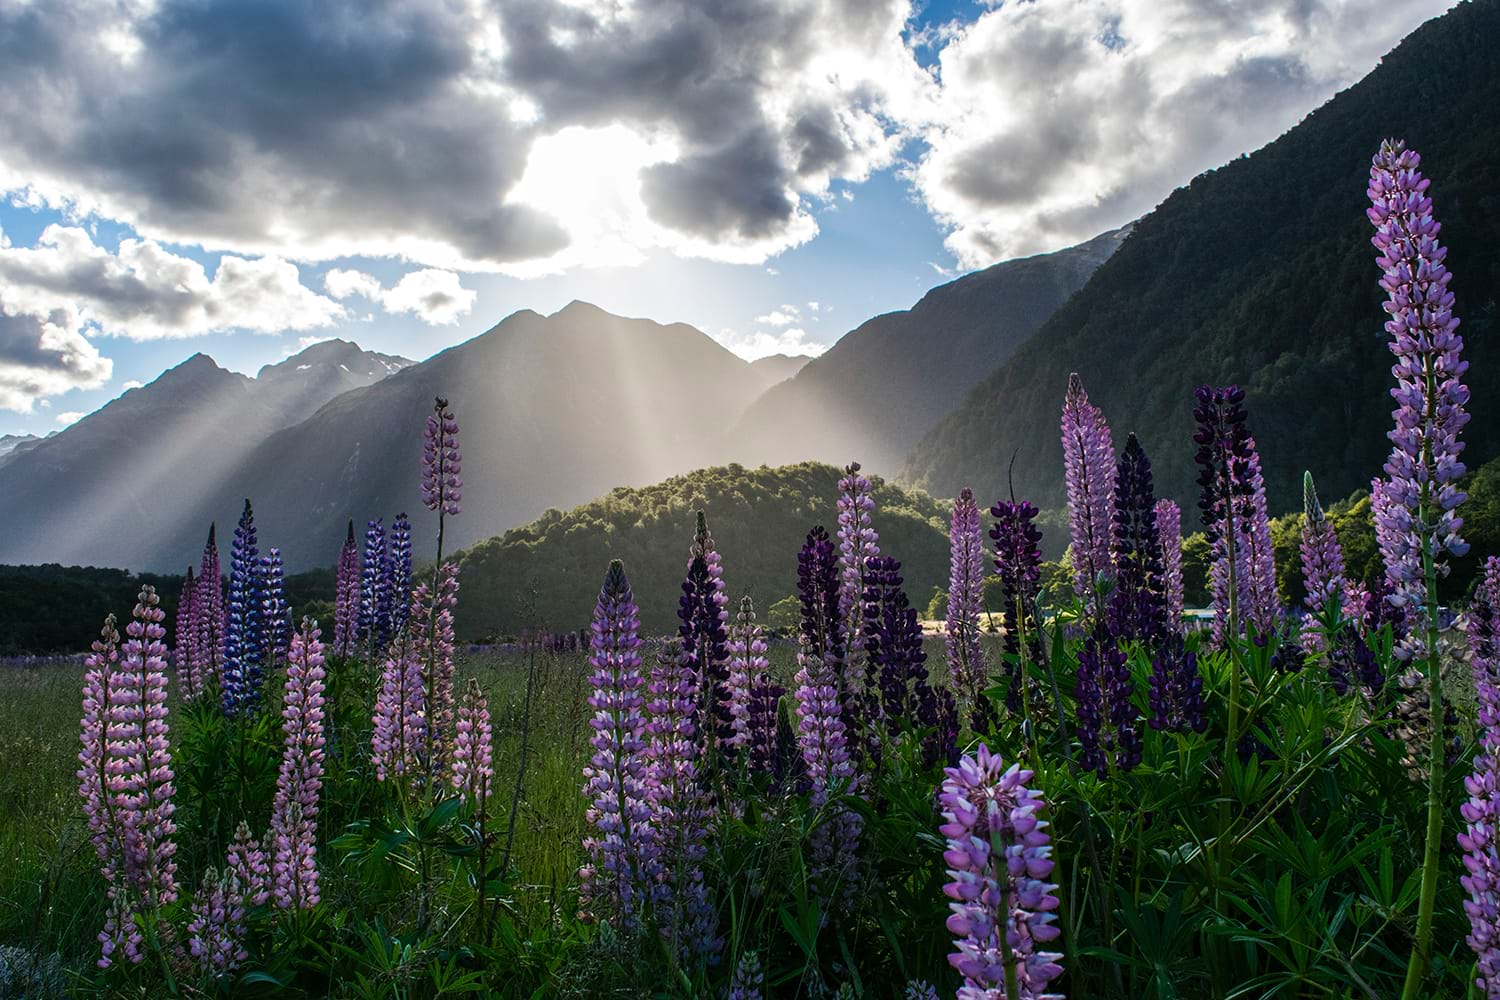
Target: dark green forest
1261, 273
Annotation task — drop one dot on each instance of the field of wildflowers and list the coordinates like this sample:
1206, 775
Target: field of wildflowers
1098, 802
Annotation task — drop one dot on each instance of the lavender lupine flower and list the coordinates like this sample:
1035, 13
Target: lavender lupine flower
442, 462
1018, 561
615, 779
999, 857
294, 813
398, 737
1176, 688
276, 613
398, 571
185, 653
248, 862
680, 813
374, 589
1424, 466
1223, 457
702, 630
1089, 466
1264, 608
208, 608
919, 989
1106, 714
1481, 837
1322, 560
1138, 604
100, 668
244, 630
858, 541
752, 730
216, 931
435, 650
1169, 532
346, 596
473, 749
749, 981
965, 600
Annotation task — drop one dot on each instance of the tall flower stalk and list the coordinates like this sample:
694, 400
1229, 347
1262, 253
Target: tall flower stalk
276, 613
1424, 466
616, 776
346, 596
1138, 605
753, 695
1481, 837
999, 857
374, 590
398, 571
965, 648
442, 469
185, 652
1088, 466
1018, 562
398, 738
703, 629
208, 612
1322, 562
858, 542
437, 654
244, 630
1169, 532
294, 812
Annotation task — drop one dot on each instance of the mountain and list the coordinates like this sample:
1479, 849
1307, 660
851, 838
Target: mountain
778, 367
759, 518
16, 444
1261, 273
553, 410
891, 379
118, 487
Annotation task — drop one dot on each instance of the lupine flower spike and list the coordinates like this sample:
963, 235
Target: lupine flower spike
185, 654
965, 602
374, 589
1481, 838
1018, 562
346, 596
858, 542
294, 813
753, 695
1224, 450
1089, 464
275, 612
1322, 562
436, 652
442, 467
473, 749
398, 571
398, 735
703, 630
749, 982
1138, 605
1169, 530
244, 631
208, 609
616, 779
999, 857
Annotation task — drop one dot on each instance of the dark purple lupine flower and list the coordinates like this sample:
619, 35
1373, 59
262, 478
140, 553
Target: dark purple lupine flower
999, 858
703, 629
346, 595
680, 810
966, 600
398, 571
185, 653
208, 606
294, 813
1421, 519
1176, 688
374, 592
276, 613
1089, 466
893, 649
1169, 532
1018, 562
749, 981
1481, 837
1322, 560
1226, 502
244, 631
616, 776
1106, 714
1138, 604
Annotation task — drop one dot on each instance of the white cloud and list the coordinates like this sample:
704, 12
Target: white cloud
757, 344
437, 297
130, 384
70, 417
43, 356
784, 316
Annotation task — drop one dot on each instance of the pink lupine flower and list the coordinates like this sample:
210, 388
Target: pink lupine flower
248, 862
399, 734
436, 654
473, 749
94, 761
294, 814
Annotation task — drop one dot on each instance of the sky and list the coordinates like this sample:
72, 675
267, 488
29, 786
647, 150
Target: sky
243, 177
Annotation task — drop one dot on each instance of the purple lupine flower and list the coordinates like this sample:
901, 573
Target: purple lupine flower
1106, 714
1138, 604
398, 571
858, 541
1421, 517
1264, 608
248, 862
374, 590
473, 749
919, 989
1176, 693
442, 462
999, 857
346, 595
276, 613
435, 651
1226, 503
822, 736
702, 631
100, 668
893, 648
1169, 532
1089, 466
1322, 560
294, 813
1018, 562
208, 607
244, 630
616, 778
680, 811
965, 601
216, 930
752, 728
398, 737
749, 980
185, 653
1481, 838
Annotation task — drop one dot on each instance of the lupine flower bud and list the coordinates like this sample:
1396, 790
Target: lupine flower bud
294, 813
1169, 531
442, 462
346, 596
616, 779
244, 631
1089, 466
999, 857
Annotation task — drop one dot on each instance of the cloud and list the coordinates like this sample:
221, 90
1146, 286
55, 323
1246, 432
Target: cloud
437, 297
44, 356
1060, 120
784, 316
757, 344
130, 384
70, 417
